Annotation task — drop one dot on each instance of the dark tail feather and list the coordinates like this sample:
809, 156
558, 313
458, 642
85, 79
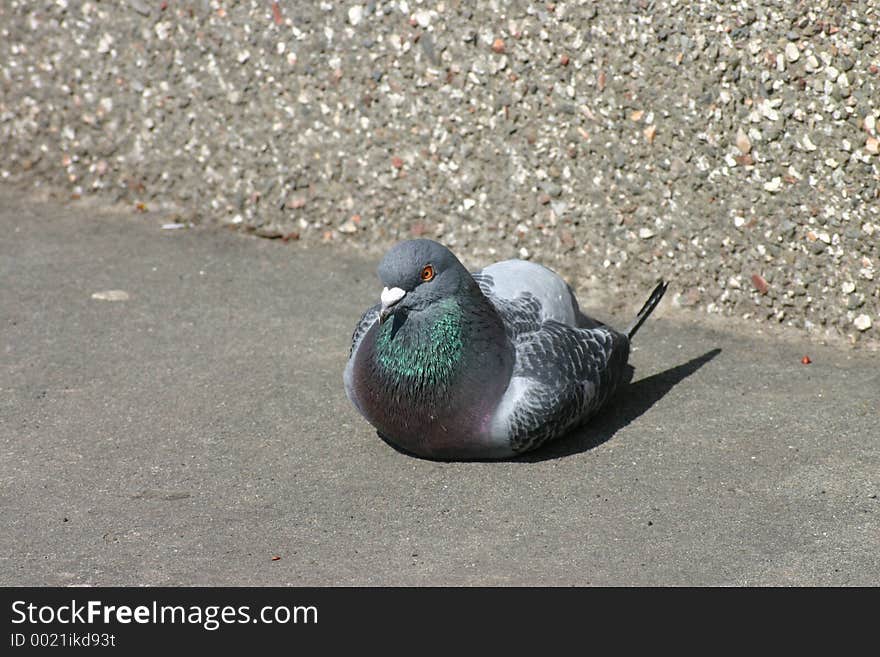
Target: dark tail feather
647, 309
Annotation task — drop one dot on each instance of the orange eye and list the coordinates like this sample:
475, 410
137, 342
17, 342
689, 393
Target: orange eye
427, 273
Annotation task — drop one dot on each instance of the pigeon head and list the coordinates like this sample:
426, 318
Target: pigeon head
416, 274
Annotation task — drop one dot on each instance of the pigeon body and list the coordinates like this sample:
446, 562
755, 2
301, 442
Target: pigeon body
459, 365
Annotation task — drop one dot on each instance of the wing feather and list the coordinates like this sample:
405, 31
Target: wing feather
562, 374
566, 375
366, 321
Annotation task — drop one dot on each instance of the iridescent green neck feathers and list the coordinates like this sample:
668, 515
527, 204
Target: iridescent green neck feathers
425, 351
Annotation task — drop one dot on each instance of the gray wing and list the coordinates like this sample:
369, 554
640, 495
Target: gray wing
562, 373
363, 325
520, 315
508, 280
366, 321
484, 280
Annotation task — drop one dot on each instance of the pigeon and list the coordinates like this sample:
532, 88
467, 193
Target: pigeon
459, 365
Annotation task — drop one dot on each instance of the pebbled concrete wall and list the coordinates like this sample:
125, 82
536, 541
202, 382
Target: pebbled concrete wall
729, 146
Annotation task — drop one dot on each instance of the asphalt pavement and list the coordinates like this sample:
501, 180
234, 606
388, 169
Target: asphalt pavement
172, 413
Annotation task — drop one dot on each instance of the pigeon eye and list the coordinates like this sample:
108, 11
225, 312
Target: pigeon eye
427, 273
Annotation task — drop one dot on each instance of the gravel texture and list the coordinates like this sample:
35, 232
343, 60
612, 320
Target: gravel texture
731, 147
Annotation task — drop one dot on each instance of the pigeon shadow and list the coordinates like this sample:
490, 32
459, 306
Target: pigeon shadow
630, 401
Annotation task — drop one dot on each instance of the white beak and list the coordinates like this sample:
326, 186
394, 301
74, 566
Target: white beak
389, 297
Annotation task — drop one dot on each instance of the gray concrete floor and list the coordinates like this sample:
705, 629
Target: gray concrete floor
199, 429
